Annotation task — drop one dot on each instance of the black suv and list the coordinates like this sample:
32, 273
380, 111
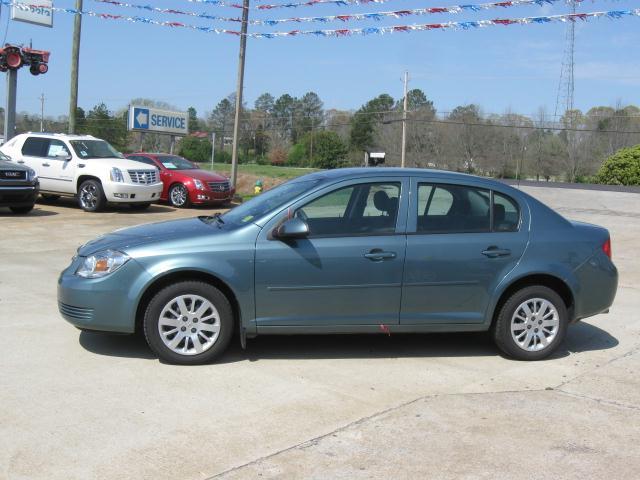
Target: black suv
19, 186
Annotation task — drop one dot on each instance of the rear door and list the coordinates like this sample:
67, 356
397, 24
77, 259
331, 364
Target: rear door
46, 157
348, 271
462, 239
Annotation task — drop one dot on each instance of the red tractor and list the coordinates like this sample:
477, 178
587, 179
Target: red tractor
13, 57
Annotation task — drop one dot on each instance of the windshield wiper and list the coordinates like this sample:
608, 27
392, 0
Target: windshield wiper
212, 218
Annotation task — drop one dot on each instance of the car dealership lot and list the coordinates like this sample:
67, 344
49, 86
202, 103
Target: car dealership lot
79, 405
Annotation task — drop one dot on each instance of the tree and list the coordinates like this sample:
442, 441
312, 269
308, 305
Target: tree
102, 124
194, 123
363, 123
264, 103
329, 151
309, 114
196, 149
221, 118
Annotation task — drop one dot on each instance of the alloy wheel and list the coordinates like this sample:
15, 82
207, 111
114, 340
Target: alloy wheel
535, 324
89, 196
189, 325
179, 195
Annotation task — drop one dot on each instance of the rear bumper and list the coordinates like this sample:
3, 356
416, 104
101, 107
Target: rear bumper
18, 196
132, 193
598, 281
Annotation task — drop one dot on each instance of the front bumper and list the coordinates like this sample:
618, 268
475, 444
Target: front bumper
207, 197
132, 192
107, 304
18, 196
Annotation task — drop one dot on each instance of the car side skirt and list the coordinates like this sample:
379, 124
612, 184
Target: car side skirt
378, 328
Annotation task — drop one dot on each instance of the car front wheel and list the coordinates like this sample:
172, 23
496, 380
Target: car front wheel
179, 196
188, 323
531, 324
91, 196
22, 210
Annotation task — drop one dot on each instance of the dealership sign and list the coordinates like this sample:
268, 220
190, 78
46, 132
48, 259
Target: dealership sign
38, 13
149, 119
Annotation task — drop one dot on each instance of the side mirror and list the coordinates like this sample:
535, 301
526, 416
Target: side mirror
292, 228
64, 156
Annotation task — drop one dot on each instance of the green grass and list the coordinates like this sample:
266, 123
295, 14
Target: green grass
266, 171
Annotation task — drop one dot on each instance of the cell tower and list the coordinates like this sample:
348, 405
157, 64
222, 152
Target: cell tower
564, 99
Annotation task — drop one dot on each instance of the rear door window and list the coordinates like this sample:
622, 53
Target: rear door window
453, 209
35, 147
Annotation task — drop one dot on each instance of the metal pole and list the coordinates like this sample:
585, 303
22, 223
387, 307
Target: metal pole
75, 61
10, 105
172, 145
404, 122
42, 112
239, 86
213, 148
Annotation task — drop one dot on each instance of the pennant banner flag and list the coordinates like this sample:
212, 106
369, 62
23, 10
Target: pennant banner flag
151, 8
311, 3
405, 13
345, 32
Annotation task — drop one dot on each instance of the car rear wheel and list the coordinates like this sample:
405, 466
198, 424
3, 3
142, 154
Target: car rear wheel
179, 196
531, 324
22, 210
188, 323
91, 196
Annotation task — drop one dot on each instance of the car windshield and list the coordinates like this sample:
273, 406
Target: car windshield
173, 162
94, 149
267, 202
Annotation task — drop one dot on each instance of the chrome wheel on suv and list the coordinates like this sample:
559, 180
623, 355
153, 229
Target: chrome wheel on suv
91, 196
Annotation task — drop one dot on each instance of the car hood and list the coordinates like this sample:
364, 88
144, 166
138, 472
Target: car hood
150, 233
121, 163
202, 175
5, 165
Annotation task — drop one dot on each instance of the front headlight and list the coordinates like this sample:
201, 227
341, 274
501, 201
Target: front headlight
116, 175
199, 185
32, 175
102, 264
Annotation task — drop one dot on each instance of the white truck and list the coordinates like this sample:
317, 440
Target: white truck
85, 167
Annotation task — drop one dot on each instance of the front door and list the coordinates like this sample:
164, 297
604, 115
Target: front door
348, 271
463, 240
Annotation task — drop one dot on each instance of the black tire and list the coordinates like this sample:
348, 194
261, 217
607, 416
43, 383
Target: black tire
139, 206
502, 333
91, 196
163, 299
21, 210
179, 196
47, 197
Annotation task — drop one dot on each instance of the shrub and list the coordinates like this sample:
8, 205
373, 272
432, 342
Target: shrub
329, 151
297, 155
221, 157
277, 156
622, 168
195, 149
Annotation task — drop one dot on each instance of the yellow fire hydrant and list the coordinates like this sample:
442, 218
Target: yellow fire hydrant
258, 187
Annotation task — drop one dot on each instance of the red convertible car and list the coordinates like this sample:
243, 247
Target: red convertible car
185, 183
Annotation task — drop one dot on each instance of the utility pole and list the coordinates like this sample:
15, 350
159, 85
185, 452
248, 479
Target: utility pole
213, 148
239, 87
404, 122
10, 105
75, 61
42, 112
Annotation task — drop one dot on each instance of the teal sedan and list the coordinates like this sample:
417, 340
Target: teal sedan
348, 251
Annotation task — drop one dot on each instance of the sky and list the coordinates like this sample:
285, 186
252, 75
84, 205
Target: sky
501, 68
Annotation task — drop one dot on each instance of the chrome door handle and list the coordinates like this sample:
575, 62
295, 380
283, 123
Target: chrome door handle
45, 165
376, 255
493, 252
20, 161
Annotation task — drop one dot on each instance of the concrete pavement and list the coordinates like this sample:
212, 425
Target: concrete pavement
78, 405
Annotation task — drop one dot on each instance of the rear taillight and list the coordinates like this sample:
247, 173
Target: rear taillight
606, 247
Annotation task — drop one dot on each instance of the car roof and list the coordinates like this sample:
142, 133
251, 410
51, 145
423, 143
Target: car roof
444, 175
67, 136
154, 154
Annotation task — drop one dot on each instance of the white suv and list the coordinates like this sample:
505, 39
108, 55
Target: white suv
86, 167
